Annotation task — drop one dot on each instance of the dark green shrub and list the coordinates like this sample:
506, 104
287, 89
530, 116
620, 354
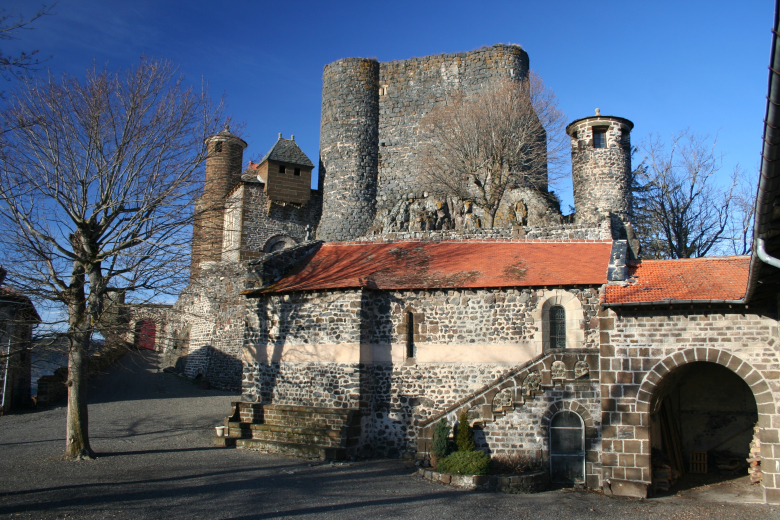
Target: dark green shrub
440, 446
465, 463
464, 438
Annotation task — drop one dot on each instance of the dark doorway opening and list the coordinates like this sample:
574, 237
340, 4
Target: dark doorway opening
145, 334
702, 424
567, 448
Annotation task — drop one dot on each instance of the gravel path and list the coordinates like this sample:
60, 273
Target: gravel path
152, 432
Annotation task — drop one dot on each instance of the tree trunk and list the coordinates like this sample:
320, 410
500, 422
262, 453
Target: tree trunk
79, 324
77, 432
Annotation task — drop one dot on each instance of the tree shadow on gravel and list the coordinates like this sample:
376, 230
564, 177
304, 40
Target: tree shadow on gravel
267, 487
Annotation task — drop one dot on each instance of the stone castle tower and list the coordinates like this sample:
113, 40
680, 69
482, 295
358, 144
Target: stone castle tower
349, 148
601, 170
224, 165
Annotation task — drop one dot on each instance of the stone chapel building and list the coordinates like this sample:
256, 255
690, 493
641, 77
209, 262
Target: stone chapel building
355, 316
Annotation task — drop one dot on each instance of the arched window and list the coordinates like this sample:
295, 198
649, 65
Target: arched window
557, 327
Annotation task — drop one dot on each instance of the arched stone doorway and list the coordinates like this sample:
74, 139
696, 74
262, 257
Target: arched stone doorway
145, 334
702, 419
567, 448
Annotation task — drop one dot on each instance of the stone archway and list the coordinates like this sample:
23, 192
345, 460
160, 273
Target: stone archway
592, 437
714, 399
278, 242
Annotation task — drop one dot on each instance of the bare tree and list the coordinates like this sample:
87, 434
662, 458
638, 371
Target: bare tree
97, 179
478, 147
11, 24
681, 211
743, 204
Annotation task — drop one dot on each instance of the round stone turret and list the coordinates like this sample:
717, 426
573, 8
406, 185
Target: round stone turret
601, 170
223, 171
348, 148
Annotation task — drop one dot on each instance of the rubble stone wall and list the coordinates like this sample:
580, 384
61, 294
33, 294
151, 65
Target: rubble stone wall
253, 224
601, 177
347, 349
410, 89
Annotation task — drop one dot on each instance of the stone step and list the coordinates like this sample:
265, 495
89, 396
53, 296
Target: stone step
285, 448
322, 437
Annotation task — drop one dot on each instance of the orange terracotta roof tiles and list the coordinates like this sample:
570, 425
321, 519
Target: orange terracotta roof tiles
719, 278
439, 265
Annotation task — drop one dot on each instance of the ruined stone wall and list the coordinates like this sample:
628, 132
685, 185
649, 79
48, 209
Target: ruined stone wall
347, 349
601, 177
640, 347
369, 139
412, 88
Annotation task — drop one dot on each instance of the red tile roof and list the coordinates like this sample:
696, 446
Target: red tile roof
451, 264
720, 278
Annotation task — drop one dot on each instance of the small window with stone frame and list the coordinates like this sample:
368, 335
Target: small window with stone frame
599, 137
281, 168
218, 147
297, 172
557, 323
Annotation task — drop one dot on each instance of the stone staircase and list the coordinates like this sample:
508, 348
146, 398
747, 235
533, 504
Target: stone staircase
514, 389
303, 431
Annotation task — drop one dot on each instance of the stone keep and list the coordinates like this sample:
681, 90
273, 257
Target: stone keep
601, 169
223, 171
369, 137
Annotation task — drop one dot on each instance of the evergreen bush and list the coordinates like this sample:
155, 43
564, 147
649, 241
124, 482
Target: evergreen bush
440, 447
465, 463
464, 438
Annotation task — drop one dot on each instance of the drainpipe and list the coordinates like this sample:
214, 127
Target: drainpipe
769, 184
764, 256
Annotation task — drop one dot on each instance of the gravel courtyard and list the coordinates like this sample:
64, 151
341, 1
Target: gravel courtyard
152, 433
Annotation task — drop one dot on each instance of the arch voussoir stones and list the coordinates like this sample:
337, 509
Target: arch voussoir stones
761, 390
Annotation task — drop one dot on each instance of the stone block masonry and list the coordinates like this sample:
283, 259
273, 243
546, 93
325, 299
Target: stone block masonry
641, 351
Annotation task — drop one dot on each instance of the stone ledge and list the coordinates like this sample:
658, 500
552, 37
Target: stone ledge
283, 448
529, 483
625, 488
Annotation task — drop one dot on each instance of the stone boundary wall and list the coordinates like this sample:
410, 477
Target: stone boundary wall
204, 329
535, 482
640, 347
559, 233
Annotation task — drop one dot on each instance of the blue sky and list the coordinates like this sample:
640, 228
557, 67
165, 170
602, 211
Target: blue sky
664, 65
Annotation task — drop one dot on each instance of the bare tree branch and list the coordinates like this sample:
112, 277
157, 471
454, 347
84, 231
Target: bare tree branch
681, 211
478, 147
